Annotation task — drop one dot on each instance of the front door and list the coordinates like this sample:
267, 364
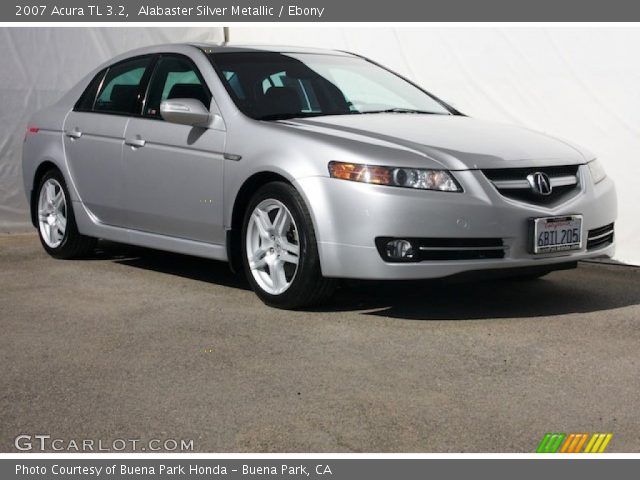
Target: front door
174, 173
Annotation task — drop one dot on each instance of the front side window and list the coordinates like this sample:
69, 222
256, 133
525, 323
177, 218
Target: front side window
120, 88
175, 77
270, 85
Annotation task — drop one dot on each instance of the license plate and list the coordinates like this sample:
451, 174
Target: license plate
557, 234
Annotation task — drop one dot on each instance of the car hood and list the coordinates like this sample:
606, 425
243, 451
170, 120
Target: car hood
456, 142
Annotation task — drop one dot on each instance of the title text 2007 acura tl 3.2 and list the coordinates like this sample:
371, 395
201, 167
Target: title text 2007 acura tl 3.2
304, 166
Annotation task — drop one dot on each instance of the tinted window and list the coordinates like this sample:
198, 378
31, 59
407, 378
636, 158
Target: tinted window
175, 77
303, 87
120, 89
234, 83
269, 85
85, 103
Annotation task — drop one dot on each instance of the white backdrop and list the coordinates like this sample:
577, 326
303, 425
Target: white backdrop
578, 83
37, 65
582, 84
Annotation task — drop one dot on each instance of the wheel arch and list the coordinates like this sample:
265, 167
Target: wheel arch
42, 169
241, 201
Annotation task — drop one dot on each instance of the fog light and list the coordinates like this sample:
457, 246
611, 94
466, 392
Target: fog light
399, 250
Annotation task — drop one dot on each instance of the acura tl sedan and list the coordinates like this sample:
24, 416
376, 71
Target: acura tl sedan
304, 167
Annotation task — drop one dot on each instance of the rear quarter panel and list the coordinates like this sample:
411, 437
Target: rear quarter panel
44, 146
47, 145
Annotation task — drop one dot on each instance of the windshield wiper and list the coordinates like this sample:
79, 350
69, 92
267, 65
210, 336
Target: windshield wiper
280, 116
289, 116
401, 110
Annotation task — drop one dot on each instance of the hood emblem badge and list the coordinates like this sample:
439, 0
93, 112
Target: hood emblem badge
540, 183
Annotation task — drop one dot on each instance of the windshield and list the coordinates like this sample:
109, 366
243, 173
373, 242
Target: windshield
271, 86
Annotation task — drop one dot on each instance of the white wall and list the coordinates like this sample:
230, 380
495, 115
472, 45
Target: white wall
37, 65
578, 83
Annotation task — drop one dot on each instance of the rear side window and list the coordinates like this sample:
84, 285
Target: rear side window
85, 102
120, 91
175, 77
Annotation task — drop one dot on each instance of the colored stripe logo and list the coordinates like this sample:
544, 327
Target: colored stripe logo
574, 443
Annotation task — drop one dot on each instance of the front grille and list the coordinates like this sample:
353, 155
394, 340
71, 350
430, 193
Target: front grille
513, 183
433, 249
600, 237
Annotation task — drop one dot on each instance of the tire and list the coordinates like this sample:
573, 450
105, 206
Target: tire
270, 241
60, 238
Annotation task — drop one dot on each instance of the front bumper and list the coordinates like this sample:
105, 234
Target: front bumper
348, 216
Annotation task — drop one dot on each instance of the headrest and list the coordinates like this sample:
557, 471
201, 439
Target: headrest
282, 100
123, 97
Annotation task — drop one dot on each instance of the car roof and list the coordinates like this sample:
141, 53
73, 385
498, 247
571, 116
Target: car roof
217, 48
237, 48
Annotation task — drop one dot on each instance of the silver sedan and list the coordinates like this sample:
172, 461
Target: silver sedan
301, 167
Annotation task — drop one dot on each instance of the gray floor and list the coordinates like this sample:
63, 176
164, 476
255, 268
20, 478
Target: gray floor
140, 344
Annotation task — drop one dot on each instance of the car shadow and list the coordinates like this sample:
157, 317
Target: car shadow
186, 266
589, 288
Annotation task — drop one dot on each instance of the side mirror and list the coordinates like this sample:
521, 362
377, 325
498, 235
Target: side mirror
185, 111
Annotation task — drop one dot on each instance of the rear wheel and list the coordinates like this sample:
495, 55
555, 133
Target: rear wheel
279, 249
56, 223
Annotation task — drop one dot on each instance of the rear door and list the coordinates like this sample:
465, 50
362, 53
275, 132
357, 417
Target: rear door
173, 172
94, 137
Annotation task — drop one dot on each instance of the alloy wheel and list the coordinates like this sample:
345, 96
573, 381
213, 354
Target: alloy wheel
52, 213
272, 246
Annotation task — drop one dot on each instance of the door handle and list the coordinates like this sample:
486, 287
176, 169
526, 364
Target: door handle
75, 133
135, 142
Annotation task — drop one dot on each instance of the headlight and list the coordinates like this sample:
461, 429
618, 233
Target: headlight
397, 177
597, 171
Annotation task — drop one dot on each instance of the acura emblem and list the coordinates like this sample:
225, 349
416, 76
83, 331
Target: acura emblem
540, 183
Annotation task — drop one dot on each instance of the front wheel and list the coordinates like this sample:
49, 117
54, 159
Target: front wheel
279, 249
